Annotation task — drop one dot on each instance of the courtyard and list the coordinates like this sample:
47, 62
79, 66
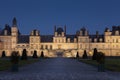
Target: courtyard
58, 69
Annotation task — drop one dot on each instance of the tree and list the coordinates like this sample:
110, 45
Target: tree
77, 55
14, 61
42, 55
24, 55
35, 54
3, 54
100, 57
101, 60
94, 57
15, 57
85, 55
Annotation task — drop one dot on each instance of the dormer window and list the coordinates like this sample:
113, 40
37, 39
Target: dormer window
68, 40
86, 33
32, 33
55, 34
36, 33
59, 35
80, 33
100, 39
5, 32
116, 33
95, 40
90, 40
75, 40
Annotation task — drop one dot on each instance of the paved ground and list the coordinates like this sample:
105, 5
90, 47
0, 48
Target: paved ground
59, 69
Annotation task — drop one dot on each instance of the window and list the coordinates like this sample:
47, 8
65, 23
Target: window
117, 46
51, 47
63, 40
103, 46
113, 46
31, 40
116, 40
80, 45
86, 40
68, 40
31, 46
116, 33
95, 40
36, 46
96, 46
113, 40
101, 40
41, 46
85, 46
31, 52
46, 47
58, 40
90, 40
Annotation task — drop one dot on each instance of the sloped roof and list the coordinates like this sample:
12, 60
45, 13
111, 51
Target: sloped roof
23, 39
60, 30
8, 28
71, 37
46, 38
114, 29
96, 37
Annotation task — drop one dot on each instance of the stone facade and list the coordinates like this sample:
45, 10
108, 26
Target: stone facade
60, 41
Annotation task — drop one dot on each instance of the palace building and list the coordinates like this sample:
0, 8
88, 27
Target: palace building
69, 44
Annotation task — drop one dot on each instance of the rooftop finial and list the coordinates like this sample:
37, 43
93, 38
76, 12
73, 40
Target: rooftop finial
14, 22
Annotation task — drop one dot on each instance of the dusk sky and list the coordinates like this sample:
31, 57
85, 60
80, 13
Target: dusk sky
44, 14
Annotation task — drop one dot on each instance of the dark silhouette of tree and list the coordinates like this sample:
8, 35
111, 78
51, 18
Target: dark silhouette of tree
3, 54
24, 55
94, 57
42, 55
101, 60
77, 55
100, 57
14, 60
15, 57
85, 55
35, 54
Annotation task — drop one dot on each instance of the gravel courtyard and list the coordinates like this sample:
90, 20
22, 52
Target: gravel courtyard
59, 69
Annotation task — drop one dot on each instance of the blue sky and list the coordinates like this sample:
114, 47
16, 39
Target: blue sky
44, 14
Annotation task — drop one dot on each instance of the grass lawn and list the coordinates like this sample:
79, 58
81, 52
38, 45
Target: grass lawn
6, 64
110, 64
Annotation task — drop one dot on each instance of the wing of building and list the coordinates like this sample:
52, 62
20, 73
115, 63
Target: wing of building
60, 41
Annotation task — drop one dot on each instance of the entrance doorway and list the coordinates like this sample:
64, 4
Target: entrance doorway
59, 53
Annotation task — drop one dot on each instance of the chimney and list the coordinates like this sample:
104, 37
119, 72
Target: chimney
97, 33
65, 29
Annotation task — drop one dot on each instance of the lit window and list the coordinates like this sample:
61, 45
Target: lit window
46, 47
116, 33
41, 46
51, 47
116, 40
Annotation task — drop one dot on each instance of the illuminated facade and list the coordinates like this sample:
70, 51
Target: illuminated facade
12, 40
